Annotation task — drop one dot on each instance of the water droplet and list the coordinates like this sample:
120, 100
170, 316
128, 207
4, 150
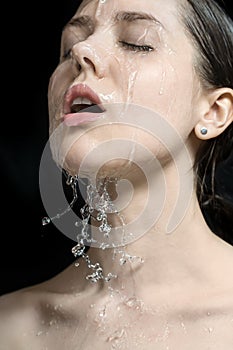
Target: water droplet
70, 180
161, 91
134, 303
209, 329
105, 228
123, 261
39, 333
99, 217
102, 313
183, 327
104, 246
56, 307
118, 334
109, 277
46, 220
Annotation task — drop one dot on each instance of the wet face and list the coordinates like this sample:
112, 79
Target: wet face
117, 53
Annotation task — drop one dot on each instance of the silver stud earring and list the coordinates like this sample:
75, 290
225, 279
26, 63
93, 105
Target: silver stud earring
204, 131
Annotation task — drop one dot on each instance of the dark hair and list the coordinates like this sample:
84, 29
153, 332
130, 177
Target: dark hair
211, 30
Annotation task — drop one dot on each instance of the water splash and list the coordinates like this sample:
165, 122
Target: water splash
97, 207
70, 181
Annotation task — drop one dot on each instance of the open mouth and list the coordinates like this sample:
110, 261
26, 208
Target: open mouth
81, 104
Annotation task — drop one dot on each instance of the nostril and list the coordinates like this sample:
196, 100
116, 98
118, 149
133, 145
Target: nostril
89, 63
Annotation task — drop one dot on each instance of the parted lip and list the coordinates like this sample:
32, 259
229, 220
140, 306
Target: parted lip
82, 91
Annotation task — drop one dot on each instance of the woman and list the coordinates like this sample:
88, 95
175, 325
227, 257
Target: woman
165, 285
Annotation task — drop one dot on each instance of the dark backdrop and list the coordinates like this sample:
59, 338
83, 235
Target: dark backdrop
29, 253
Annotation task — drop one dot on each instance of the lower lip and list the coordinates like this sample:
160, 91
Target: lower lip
76, 119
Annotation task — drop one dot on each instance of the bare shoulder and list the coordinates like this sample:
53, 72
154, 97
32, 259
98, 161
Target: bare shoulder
30, 318
19, 318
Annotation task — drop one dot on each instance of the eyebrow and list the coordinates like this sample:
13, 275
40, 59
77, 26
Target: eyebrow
85, 21
123, 16
133, 16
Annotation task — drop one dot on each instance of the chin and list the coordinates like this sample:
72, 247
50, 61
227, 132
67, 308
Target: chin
85, 165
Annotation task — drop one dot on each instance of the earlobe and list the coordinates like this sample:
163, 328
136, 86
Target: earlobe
219, 115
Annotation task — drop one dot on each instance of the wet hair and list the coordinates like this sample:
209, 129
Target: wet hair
211, 30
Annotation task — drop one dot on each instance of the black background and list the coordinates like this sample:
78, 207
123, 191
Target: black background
29, 253
30, 42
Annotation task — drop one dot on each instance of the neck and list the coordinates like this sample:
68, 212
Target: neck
154, 257
156, 265
157, 256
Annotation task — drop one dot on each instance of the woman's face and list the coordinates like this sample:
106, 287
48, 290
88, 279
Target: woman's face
122, 52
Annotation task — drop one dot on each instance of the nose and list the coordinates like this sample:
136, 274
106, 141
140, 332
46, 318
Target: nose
87, 58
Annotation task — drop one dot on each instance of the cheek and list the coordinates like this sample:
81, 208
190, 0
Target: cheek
168, 83
58, 84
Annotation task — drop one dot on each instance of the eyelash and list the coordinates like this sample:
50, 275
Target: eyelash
66, 54
136, 48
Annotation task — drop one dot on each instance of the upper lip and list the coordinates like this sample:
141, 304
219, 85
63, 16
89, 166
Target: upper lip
82, 91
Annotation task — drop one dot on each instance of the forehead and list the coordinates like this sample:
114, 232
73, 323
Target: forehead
166, 11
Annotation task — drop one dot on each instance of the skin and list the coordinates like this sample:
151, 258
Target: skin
181, 296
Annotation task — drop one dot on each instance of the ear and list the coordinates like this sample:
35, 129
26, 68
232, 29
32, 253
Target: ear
217, 115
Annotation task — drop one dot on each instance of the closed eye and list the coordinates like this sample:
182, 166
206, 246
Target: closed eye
136, 48
66, 54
